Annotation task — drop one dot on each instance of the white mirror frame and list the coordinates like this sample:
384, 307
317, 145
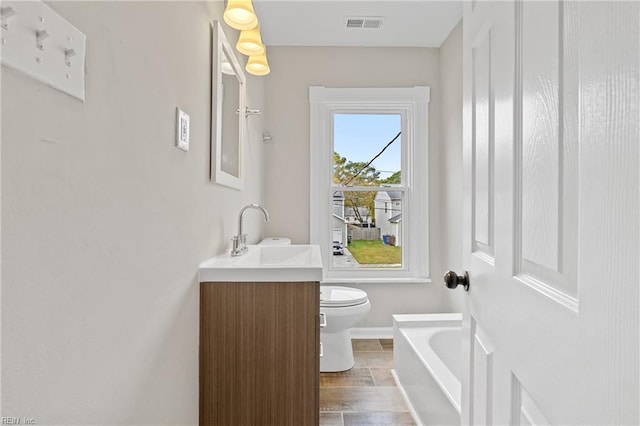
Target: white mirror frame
220, 46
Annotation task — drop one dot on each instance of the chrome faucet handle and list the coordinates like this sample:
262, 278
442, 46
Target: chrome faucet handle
239, 245
236, 248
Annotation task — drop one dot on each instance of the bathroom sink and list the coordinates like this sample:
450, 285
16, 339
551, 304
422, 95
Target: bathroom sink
286, 255
265, 264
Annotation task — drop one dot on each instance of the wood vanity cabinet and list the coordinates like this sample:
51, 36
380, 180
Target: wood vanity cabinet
259, 353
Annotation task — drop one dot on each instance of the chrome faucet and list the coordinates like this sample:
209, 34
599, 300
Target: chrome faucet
240, 240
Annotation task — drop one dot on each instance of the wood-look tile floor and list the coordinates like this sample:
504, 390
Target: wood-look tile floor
366, 395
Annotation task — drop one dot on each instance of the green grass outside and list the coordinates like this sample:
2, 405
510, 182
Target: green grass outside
375, 252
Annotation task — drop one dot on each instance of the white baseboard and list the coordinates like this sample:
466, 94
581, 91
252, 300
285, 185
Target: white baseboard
371, 332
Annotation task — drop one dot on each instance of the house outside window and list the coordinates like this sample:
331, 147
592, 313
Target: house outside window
389, 216
369, 183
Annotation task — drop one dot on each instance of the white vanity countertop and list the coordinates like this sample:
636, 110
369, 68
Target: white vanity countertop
265, 264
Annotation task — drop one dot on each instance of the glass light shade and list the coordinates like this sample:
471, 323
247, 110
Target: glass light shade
250, 42
258, 65
240, 15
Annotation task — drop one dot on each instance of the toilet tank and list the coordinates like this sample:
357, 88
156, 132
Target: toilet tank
275, 241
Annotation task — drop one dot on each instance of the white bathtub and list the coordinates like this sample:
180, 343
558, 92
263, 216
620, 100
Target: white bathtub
427, 351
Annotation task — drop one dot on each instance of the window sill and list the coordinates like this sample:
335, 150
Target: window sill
409, 280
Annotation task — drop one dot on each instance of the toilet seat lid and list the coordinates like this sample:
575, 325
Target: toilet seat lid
334, 296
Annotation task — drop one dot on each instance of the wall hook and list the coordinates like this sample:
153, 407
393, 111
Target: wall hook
6, 13
40, 37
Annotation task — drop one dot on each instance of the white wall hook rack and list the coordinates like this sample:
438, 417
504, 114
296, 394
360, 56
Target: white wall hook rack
56, 41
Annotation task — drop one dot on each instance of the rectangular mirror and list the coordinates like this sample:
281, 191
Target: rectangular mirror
228, 121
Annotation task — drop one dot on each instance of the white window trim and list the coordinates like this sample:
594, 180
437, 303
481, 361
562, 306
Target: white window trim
413, 102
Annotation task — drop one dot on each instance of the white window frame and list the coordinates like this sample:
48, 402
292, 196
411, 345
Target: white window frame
413, 104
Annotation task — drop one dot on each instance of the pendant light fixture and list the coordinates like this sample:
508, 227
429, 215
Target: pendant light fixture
258, 65
239, 14
250, 42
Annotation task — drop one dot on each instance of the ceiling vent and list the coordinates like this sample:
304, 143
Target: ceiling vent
370, 22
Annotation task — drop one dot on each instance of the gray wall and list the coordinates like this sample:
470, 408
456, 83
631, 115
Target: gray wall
294, 69
451, 179
105, 222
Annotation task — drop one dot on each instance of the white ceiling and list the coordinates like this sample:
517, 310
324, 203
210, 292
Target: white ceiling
411, 23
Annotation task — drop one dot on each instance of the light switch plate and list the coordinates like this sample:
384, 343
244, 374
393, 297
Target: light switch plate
182, 130
41, 44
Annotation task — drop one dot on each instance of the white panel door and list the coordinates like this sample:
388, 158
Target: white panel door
552, 216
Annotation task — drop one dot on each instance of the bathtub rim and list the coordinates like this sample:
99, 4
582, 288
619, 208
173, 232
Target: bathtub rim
427, 320
412, 321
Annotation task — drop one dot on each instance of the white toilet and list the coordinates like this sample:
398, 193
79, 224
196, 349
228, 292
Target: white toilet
342, 307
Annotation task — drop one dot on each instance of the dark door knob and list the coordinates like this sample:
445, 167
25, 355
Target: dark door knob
453, 280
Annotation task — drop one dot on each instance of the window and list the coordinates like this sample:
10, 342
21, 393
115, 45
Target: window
369, 182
